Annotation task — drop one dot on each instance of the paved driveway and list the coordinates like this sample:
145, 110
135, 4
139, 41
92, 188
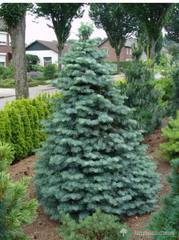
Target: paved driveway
8, 94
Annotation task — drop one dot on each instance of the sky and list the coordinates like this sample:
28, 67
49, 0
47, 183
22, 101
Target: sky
37, 29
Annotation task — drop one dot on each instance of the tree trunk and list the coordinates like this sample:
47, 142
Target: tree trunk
60, 49
18, 59
118, 63
151, 49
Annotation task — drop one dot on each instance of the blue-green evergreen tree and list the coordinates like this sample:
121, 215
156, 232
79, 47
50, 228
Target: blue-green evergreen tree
93, 156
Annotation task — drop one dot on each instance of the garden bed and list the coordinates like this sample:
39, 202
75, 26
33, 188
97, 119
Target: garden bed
45, 229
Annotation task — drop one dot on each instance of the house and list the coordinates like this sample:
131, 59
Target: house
5, 49
47, 51
126, 51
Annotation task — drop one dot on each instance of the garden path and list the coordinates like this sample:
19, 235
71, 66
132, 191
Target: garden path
8, 94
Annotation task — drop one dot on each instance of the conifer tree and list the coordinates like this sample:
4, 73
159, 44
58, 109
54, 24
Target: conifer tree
15, 209
167, 219
93, 156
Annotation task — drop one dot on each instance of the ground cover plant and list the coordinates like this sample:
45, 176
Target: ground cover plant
15, 208
93, 156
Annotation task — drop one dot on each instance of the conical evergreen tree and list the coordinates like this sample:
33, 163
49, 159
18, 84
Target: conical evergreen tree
92, 157
167, 219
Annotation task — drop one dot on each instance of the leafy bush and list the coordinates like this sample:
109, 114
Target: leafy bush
165, 86
167, 219
175, 77
31, 60
6, 72
20, 124
170, 148
37, 68
15, 208
99, 226
143, 97
50, 71
93, 156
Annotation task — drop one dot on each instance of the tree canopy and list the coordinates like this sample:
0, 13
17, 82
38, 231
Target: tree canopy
117, 23
61, 15
172, 24
152, 17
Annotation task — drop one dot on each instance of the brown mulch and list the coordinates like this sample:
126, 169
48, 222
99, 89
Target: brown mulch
45, 229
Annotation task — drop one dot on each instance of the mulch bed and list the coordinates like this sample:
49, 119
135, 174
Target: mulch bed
45, 229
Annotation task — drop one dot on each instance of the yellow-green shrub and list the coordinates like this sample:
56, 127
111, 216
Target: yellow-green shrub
20, 123
170, 148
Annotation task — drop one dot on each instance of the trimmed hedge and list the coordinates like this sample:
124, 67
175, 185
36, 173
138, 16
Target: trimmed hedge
20, 123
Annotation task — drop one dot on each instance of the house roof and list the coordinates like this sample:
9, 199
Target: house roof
129, 42
52, 45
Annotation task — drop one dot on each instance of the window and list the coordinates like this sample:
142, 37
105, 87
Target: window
2, 60
106, 51
47, 61
3, 38
128, 51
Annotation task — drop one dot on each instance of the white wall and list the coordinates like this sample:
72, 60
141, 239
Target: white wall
45, 53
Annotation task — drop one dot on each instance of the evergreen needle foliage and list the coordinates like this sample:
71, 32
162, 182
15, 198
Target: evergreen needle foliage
99, 226
167, 219
15, 209
92, 157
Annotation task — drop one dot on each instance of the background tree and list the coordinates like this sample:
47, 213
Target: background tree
13, 14
152, 18
172, 24
116, 22
93, 156
61, 15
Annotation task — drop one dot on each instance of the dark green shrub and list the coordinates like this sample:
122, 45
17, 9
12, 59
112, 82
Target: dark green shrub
170, 148
143, 97
50, 71
1, 70
31, 60
15, 208
93, 156
8, 73
99, 226
167, 219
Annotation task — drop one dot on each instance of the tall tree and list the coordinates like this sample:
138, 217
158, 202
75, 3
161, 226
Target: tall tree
13, 14
172, 24
116, 22
152, 19
61, 15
